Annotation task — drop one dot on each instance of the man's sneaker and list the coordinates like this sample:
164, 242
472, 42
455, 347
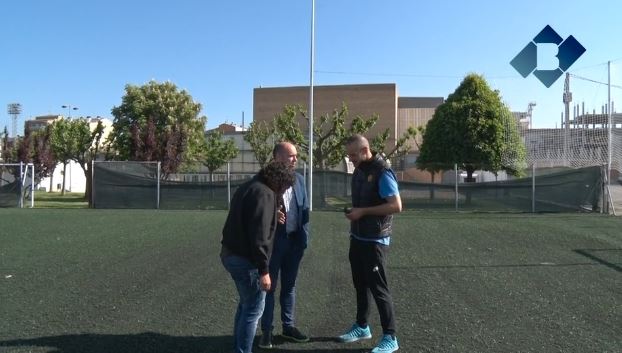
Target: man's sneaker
266, 340
356, 333
387, 344
293, 334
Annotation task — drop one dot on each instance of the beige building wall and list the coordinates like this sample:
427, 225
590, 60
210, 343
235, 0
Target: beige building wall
415, 112
362, 100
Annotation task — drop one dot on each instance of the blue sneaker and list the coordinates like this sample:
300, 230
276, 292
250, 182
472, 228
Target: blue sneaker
387, 344
356, 333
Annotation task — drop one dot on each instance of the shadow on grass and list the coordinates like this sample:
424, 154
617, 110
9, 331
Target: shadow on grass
148, 342
599, 255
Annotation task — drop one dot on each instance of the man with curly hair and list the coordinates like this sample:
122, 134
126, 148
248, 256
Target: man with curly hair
247, 239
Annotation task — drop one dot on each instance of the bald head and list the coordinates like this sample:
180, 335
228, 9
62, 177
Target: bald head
357, 139
285, 152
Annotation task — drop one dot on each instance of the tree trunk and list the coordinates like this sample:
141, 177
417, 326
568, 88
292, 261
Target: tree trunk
62, 190
432, 187
89, 186
469, 179
51, 181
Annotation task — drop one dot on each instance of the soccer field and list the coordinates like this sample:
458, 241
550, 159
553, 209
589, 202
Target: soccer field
138, 281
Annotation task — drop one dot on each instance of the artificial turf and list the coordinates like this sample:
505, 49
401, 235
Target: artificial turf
143, 281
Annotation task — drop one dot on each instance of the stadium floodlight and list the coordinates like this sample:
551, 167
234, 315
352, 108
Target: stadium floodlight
14, 110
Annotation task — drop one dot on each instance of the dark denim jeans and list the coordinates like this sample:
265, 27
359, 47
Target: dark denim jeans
286, 256
251, 304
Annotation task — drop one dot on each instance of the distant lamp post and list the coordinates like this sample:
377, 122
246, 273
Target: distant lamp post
69, 109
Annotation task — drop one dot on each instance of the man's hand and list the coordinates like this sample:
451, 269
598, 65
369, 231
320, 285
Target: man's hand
355, 214
264, 282
280, 214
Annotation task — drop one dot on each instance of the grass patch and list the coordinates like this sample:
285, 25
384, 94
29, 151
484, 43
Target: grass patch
56, 200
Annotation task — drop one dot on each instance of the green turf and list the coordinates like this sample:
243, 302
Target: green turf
143, 281
56, 200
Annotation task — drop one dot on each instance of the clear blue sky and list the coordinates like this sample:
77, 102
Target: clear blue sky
83, 53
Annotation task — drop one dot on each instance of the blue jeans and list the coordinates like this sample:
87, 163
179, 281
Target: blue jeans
286, 256
251, 304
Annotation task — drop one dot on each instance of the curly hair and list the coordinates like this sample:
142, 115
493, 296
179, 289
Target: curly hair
278, 176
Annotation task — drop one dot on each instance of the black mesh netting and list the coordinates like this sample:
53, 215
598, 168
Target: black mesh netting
135, 185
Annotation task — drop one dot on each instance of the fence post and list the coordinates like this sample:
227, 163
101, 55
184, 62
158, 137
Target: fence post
228, 185
21, 185
32, 186
533, 188
158, 188
93, 183
304, 173
603, 192
456, 185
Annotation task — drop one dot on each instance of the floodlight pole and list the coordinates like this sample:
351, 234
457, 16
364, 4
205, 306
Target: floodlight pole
14, 109
310, 186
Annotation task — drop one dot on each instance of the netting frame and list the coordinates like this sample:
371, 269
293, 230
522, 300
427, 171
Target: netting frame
23, 171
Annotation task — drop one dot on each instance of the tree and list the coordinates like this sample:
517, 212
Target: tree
218, 152
401, 148
474, 129
34, 147
156, 121
62, 143
329, 133
87, 148
261, 137
73, 140
43, 157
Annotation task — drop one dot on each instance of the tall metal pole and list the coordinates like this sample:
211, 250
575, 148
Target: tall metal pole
311, 106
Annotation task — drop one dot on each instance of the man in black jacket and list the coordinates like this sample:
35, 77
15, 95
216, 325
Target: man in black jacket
247, 239
375, 198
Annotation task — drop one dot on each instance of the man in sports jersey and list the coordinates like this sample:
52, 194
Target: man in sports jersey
375, 198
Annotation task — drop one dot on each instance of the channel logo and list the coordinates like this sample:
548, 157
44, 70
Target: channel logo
568, 51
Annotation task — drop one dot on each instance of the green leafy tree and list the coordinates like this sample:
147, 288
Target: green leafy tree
61, 140
330, 132
157, 121
474, 129
218, 151
87, 148
42, 155
379, 142
73, 140
261, 137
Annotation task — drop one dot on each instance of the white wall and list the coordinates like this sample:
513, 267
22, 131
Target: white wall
75, 181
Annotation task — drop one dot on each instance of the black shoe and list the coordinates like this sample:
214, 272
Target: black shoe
266, 340
292, 333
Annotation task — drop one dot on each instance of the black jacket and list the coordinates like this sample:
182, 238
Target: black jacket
366, 193
251, 223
